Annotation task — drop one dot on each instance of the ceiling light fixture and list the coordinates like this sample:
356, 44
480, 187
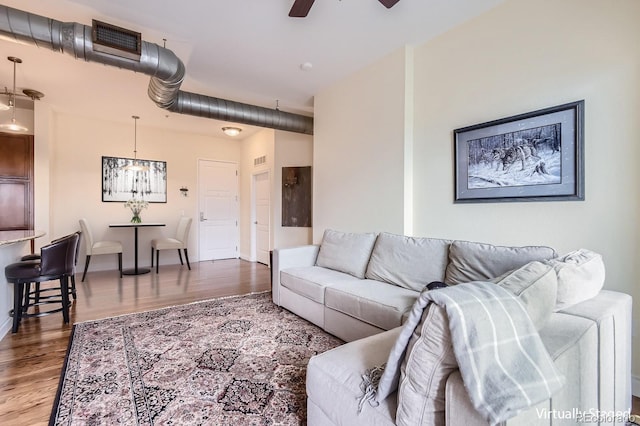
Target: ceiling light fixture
231, 131
13, 125
135, 166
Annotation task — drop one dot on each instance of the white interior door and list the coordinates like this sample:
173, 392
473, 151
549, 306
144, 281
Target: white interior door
262, 222
218, 201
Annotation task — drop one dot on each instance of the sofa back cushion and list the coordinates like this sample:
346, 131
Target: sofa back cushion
408, 262
581, 276
536, 286
481, 262
346, 252
424, 371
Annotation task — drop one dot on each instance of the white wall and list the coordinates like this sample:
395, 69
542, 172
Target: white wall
291, 150
281, 149
358, 153
76, 149
521, 56
42, 142
255, 146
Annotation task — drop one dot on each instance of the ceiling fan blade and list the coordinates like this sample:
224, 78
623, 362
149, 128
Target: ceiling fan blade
389, 3
301, 8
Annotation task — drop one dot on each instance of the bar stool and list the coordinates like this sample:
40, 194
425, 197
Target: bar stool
36, 257
56, 263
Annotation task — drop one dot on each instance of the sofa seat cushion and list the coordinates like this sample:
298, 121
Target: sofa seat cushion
408, 262
334, 378
481, 262
311, 281
346, 252
373, 302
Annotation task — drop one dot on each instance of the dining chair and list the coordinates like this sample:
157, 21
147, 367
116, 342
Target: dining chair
179, 242
56, 263
99, 247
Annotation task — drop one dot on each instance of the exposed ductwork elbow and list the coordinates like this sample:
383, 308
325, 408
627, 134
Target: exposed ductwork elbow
162, 65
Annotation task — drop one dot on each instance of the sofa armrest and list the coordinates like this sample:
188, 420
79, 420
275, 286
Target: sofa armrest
293, 257
611, 312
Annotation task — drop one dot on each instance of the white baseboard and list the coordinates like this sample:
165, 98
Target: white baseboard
635, 386
6, 327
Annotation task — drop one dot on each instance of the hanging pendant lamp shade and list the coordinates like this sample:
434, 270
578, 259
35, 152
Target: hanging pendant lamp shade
13, 125
135, 166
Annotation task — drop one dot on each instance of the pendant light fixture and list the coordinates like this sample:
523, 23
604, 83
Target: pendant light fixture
135, 166
13, 125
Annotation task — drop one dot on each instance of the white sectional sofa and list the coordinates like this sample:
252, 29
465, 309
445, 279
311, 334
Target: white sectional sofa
361, 287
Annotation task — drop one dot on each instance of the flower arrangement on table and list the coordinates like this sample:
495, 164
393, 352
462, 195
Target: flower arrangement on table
136, 207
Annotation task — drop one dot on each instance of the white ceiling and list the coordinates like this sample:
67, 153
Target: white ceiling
243, 50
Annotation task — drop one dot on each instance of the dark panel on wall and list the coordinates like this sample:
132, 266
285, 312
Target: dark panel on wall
15, 211
16, 181
296, 196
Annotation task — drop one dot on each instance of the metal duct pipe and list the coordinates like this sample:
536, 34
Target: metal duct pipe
162, 65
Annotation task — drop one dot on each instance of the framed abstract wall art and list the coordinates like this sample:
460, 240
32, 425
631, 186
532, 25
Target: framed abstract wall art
120, 184
296, 197
536, 156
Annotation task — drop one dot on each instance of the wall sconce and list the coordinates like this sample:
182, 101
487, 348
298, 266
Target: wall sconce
184, 191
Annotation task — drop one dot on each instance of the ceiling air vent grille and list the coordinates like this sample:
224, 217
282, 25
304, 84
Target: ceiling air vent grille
259, 161
116, 41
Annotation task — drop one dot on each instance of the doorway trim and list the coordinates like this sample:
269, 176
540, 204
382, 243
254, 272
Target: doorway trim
253, 225
200, 207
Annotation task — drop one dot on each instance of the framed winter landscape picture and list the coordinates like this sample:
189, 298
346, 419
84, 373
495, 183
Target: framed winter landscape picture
122, 184
535, 156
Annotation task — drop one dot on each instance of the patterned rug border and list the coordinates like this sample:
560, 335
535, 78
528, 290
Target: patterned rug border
56, 401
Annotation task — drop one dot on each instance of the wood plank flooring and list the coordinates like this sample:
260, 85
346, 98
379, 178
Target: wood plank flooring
31, 360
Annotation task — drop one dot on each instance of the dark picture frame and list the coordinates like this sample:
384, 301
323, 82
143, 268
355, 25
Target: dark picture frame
120, 185
536, 156
296, 197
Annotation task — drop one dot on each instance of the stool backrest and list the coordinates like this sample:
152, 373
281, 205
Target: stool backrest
57, 258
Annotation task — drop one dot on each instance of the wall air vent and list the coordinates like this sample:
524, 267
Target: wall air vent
116, 41
259, 161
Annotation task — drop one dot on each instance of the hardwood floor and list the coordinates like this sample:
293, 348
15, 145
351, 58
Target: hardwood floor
31, 360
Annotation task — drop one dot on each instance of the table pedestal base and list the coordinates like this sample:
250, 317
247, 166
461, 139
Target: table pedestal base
138, 271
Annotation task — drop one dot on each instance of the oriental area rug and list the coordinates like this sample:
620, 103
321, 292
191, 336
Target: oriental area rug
231, 361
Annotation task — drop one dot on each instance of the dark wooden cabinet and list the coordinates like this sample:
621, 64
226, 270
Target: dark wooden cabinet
16, 182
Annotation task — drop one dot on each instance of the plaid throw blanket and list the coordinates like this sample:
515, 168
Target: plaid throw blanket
504, 364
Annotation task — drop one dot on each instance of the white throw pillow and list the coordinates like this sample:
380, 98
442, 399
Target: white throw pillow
425, 370
346, 252
536, 286
581, 276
